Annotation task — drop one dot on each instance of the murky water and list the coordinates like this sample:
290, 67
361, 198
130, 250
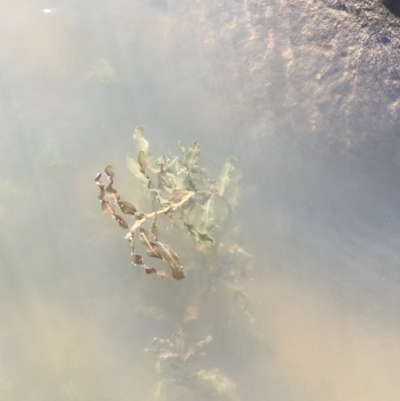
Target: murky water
323, 284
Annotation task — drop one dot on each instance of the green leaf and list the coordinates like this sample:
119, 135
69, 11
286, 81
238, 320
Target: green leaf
195, 350
134, 168
208, 215
230, 174
233, 198
142, 160
212, 384
181, 147
141, 143
204, 237
164, 180
193, 156
189, 184
175, 180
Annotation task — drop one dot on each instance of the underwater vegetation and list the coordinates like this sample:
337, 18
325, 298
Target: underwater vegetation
174, 366
103, 73
195, 213
51, 159
183, 187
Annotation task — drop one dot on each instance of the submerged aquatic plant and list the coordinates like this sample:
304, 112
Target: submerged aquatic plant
153, 247
103, 73
175, 359
179, 186
174, 365
51, 159
182, 196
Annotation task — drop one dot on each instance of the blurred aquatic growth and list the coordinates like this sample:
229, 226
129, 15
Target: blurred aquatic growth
103, 73
195, 214
51, 160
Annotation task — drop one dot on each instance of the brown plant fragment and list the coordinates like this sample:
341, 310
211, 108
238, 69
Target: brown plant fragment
109, 170
152, 248
171, 258
110, 190
137, 259
127, 207
102, 191
121, 221
107, 207
205, 237
154, 228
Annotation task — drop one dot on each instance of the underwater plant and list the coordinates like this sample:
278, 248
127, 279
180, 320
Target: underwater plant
182, 187
175, 366
103, 73
52, 160
197, 215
